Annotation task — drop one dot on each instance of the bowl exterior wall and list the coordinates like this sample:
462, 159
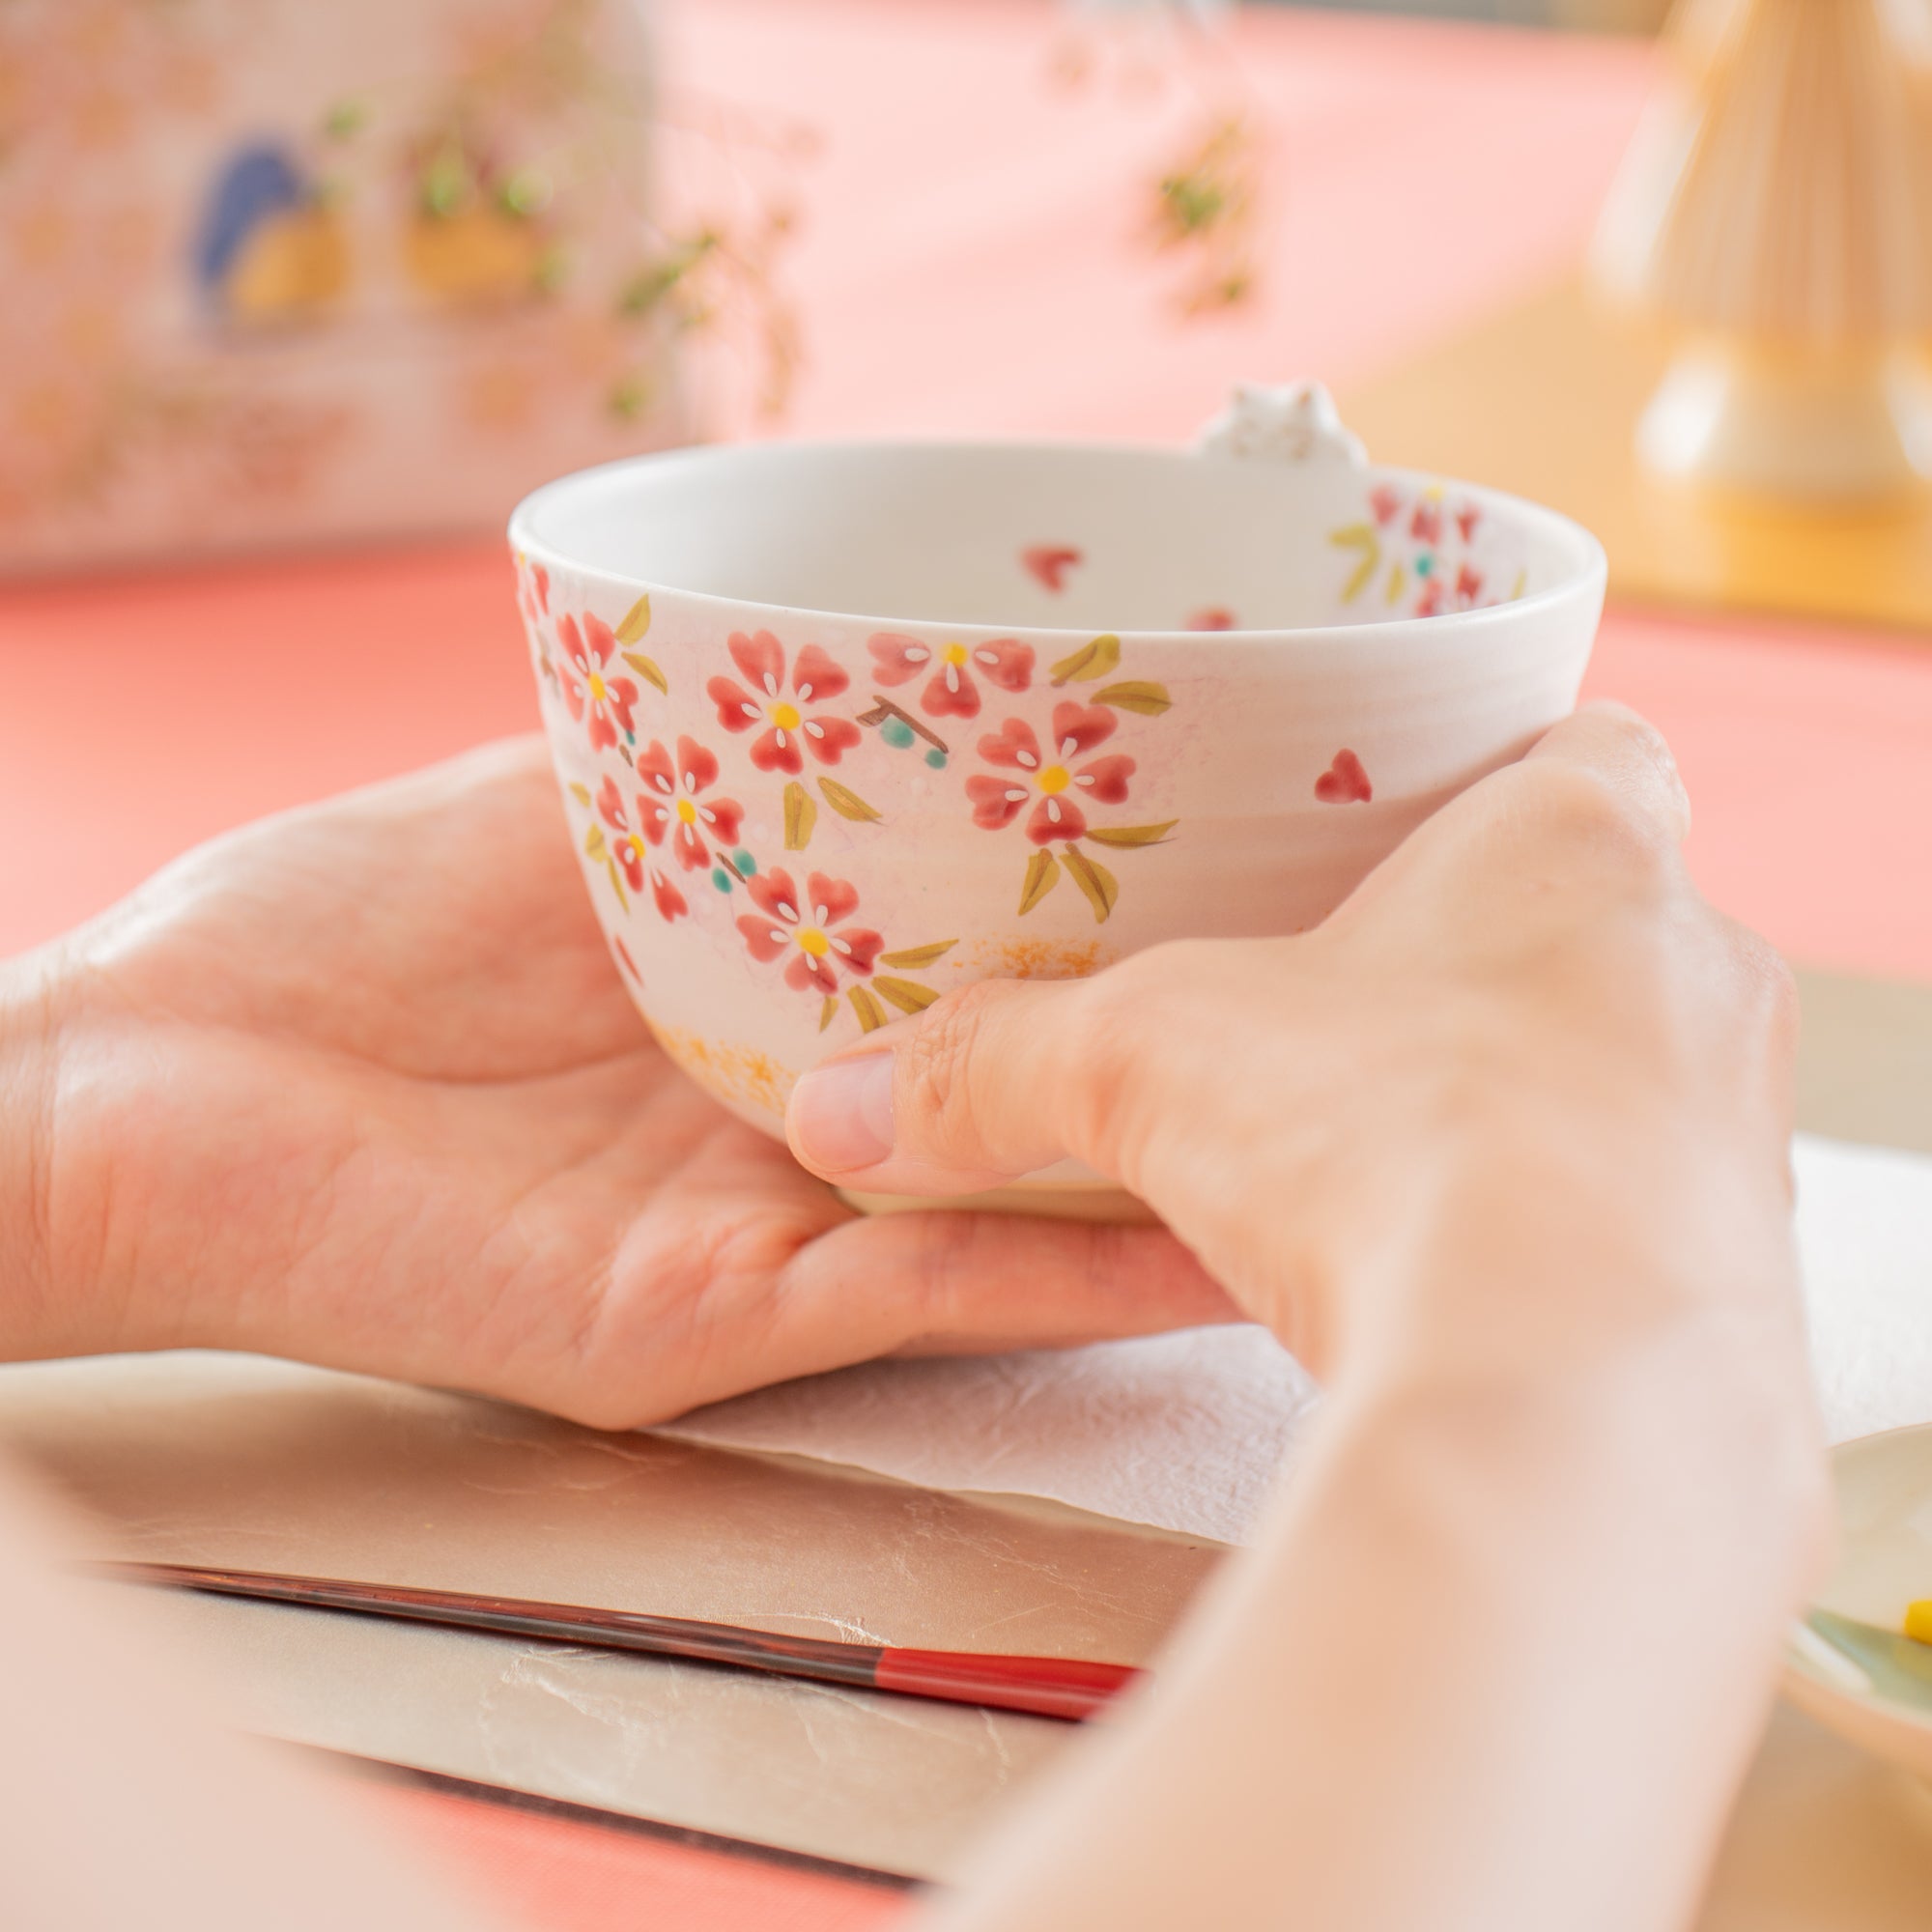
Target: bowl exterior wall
796, 828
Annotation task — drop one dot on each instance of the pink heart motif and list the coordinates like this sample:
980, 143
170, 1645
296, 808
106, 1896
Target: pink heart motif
1050, 563
1344, 782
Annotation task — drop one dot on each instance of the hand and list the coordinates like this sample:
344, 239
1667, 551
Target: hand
1527, 1004
360, 1085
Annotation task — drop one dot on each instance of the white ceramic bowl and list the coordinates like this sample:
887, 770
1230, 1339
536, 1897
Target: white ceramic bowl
1884, 1485
842, 726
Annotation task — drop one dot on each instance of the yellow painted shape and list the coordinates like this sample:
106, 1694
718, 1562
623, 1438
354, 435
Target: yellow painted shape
292, 265
475, 255
1918, 1620
1543, 398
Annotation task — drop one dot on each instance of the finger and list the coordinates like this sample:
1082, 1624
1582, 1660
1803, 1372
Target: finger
939, 1283
976, 1089
1627, 753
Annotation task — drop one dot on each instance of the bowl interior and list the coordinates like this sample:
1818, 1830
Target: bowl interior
1066, 536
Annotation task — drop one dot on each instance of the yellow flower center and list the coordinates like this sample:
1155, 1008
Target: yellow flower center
954, 654
814, 942
1055, 778
597, 690
687, 812
785, 717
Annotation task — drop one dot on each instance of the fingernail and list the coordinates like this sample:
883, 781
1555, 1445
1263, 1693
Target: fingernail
842, 1115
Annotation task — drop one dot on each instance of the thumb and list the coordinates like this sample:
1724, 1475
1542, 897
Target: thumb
976, 1089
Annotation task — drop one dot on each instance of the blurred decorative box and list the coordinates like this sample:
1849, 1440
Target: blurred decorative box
284, 272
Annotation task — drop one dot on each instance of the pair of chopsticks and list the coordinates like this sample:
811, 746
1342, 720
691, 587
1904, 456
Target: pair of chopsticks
1045, 1687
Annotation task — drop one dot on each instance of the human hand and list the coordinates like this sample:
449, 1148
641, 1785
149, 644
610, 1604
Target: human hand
360, 1085
1528, 1012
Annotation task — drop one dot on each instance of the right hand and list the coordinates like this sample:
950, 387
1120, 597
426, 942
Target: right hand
1526, 1023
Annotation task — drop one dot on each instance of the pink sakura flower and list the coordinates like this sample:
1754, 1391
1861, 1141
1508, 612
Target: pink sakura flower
586, 684
789, 729
812, 930
1059, 788
951, 692
671, 797
628, 853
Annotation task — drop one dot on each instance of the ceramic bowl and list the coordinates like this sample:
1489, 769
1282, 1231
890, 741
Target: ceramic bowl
842, 726
1883, 1485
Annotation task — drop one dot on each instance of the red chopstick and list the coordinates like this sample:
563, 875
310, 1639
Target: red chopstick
1045, 1687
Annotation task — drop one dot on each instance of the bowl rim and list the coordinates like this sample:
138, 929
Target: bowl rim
1588, 579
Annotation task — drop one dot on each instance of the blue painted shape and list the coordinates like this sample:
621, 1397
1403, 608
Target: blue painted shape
259, 182
936, 758
745, 862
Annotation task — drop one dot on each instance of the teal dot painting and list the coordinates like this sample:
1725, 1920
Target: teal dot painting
936, 758
896, 732
747, 864
721, 878
1424, 565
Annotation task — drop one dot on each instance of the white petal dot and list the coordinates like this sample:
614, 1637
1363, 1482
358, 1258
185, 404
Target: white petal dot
780, 935
814, 728
771, 685
1084, 779
1052, 810
1027, 760
840, 945
822, 913
663, 814
952, 677
1016, 794
1070, 748
788, 912
990, 659
751, 711
805, 694
710, 818
779, 732
917, 654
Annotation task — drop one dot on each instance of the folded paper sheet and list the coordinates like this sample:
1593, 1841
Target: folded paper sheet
1190, 1431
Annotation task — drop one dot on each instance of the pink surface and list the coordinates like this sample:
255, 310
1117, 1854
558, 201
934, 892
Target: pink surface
969, 265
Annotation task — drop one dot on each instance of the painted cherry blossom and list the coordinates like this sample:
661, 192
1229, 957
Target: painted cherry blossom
1058, 786
673, 801
951, 692
812, 929
587, 683
789, 728
626, 851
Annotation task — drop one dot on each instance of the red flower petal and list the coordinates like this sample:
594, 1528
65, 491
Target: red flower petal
654, 768
623, 694
1056, 818
774, 893
762, 660
898, 659
630, 855
572, 641
1078, 727
764, 940
738, 709
817, 675
573, 695
1384, 500
671, 901
725, 817
1466, 520
778, 752
829, 900
1468, 584
540, 576
695, 766
603, 733
952, 694
856, 947
996, 802
600, 640
1105, 781
805, 970
830, 738
692, 852
1006, 662
654, 816
1013, 746
610, 806
1426, 524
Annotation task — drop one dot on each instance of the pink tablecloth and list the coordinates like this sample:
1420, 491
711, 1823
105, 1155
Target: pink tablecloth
971, 263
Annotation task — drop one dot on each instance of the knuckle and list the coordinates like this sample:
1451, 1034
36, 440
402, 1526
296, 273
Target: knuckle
1581, 813
935, 1068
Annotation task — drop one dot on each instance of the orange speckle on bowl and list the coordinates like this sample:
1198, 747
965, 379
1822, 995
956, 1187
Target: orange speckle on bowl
1040, 958
733, 1072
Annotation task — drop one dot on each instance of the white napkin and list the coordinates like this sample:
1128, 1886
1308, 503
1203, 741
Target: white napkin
1188, 1430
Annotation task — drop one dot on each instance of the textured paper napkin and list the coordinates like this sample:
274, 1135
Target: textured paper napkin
1190, 1431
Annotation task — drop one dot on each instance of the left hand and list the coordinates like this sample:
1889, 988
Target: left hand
360, 1085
